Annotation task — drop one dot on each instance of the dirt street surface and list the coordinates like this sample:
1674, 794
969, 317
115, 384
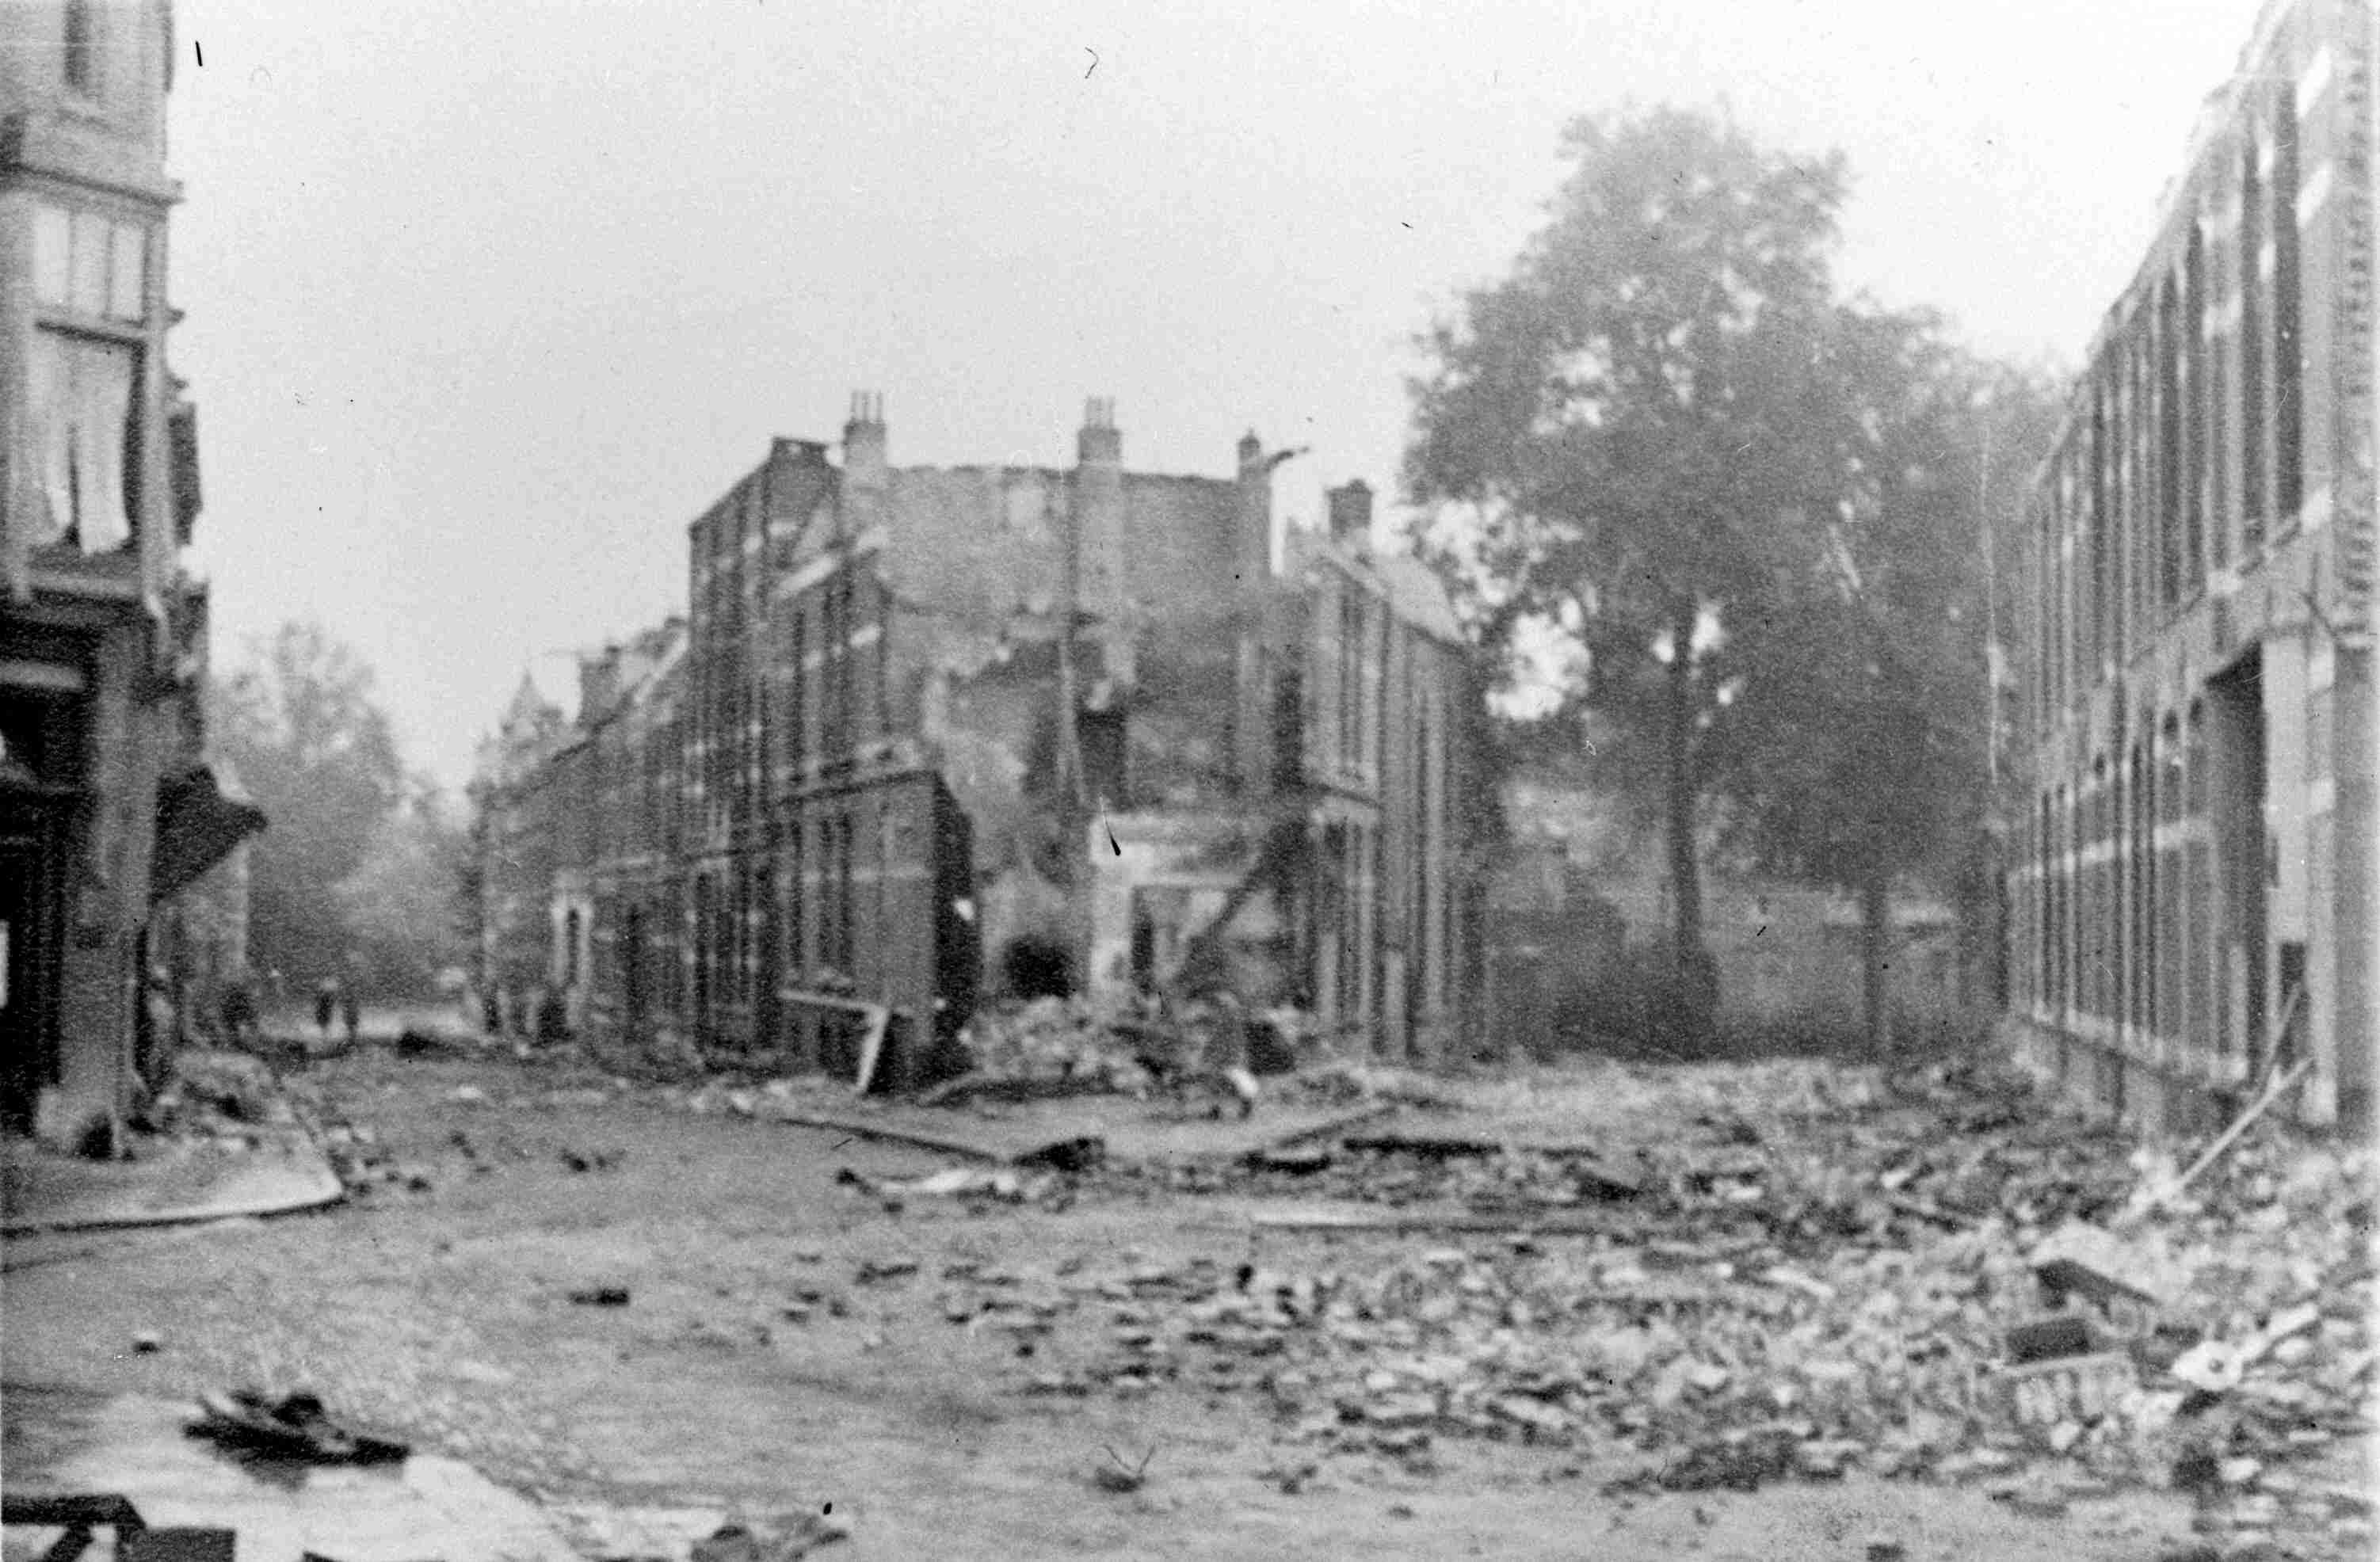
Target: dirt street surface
645, 1316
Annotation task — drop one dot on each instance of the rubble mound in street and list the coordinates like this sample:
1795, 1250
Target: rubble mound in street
1825, 1274
1054, 1046
1049, 1044
215, 1091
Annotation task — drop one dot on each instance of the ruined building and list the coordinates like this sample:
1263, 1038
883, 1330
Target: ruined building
106, 807
2189, 716
927, 733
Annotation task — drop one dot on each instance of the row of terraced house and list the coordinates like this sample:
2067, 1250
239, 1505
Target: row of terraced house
926, 735
2190, 711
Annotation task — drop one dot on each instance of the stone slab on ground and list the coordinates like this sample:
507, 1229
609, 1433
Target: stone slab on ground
173, 1180
1540, 1130
66, 1442
1350, 1216
1133, 1130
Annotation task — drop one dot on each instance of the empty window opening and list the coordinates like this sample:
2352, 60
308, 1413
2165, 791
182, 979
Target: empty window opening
2169, 480
1039, 966
2289, 378
2193, 369
2252, 353
79, 47
83, 430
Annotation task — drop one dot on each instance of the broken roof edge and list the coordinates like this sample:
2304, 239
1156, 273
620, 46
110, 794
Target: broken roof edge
783, 449
663, 648
1414, 591
1051, 474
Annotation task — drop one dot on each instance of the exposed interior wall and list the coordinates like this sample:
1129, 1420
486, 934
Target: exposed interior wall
874, 789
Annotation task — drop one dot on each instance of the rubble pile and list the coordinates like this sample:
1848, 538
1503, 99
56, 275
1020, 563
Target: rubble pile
221, 1093
1799, 1291
1054, 1043
1062, 1046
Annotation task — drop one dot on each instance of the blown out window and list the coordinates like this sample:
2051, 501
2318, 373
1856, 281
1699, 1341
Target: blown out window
81, 434
82, 426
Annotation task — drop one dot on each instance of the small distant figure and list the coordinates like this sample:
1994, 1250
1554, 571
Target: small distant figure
350, 1014
326, 1004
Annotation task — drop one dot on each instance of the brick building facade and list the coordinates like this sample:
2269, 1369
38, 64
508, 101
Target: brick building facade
930, 732
106, 807
2189, 710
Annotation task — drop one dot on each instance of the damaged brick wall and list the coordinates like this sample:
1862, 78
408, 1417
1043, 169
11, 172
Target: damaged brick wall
857, 781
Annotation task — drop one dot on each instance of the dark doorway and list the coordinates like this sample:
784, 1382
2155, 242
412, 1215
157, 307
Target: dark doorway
1144, 946
631, 975
32, 913
706, 950
1106, 764
2235, 700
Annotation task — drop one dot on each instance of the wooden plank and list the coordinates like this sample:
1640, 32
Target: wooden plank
871, 1047
860, 1129
1334, 1127
1408, 1221
2282, 1084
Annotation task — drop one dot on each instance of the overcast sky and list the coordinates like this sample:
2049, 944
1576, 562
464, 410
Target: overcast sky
486, 302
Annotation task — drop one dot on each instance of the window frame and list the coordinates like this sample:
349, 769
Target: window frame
64, 318
87, 85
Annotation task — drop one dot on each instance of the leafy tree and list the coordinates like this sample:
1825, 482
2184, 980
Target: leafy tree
399, 907
1625, 422
1869, 763
300, 724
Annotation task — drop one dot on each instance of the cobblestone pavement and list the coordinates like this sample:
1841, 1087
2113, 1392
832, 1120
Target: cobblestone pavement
784, 1344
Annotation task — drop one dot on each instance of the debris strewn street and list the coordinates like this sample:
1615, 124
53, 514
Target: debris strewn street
1615, 1297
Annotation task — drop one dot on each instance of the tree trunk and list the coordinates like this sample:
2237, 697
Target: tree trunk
1690, 960
1876, 932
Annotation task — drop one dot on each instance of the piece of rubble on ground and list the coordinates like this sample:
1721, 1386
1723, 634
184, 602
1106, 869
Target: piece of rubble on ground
1811, 1280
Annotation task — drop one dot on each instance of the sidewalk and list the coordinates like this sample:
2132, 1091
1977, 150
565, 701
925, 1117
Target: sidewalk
67, 1442
171, 1181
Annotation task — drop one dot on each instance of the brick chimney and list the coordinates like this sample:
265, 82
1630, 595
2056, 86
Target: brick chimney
864, 472
1351, 513
599, 683
1252, 555
1099, 509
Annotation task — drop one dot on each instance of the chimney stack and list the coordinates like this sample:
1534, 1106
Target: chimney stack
599, 683
1097, 514
1252, 555
1351, 513
1100, 444
863, 462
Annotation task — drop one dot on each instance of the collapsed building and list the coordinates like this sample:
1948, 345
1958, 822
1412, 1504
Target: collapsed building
929, 733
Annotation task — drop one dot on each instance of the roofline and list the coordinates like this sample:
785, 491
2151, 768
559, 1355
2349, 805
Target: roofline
2217, 112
